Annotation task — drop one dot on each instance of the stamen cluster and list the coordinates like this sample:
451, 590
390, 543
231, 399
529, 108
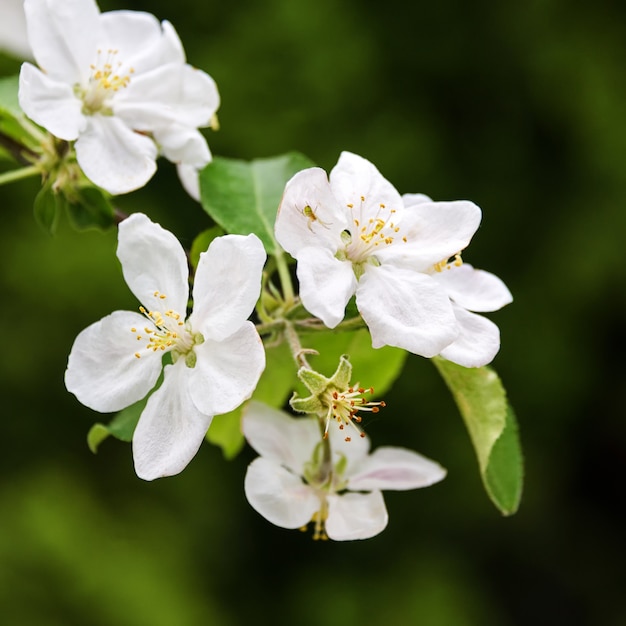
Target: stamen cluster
343, 407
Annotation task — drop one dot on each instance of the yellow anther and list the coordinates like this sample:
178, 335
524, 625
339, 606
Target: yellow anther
138, 355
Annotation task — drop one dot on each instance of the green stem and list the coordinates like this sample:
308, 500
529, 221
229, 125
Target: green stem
298, 352
285, 278
264, 328
313, 324
12, 175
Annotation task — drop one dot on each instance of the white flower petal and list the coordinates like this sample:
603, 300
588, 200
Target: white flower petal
183, 144
153, 261
394, 469
138, 39
356, 516
354, 450
171, 46
326, 284
280, 438
278, 495
411, 199
475, 290
170, 429
189, 179
435, 231
320, 225
227, 285
103, 371
478, 341
63, 36
169, 94
361, 188
113, 156
227, 372
50, 103
406, 309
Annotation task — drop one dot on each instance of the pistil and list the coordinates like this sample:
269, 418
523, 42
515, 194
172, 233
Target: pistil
344, 406
105, 80
168, 332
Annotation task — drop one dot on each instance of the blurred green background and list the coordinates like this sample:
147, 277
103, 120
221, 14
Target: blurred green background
516, 106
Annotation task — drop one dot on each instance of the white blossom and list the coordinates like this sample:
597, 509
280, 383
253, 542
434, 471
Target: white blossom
118, 85
351, 234
292, 484
470, 291
216, 354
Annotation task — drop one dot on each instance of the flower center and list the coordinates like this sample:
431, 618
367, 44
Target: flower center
371, 230
105, 80
167, 332
343, 407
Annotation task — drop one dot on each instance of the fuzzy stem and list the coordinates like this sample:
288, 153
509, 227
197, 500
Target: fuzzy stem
298, 352
13, 175
21, 153
285, 278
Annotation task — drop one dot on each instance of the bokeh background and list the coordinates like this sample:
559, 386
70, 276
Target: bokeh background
516, 106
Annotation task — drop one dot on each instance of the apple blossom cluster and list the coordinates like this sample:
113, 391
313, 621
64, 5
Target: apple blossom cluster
109, 94
117, 85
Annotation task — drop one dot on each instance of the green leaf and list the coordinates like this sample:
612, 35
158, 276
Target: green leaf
45, 208
9, 102
91, 208
505, 471
243, 196
15, 137
371, 367
201, 243
490, 421
122, 426
96, 435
